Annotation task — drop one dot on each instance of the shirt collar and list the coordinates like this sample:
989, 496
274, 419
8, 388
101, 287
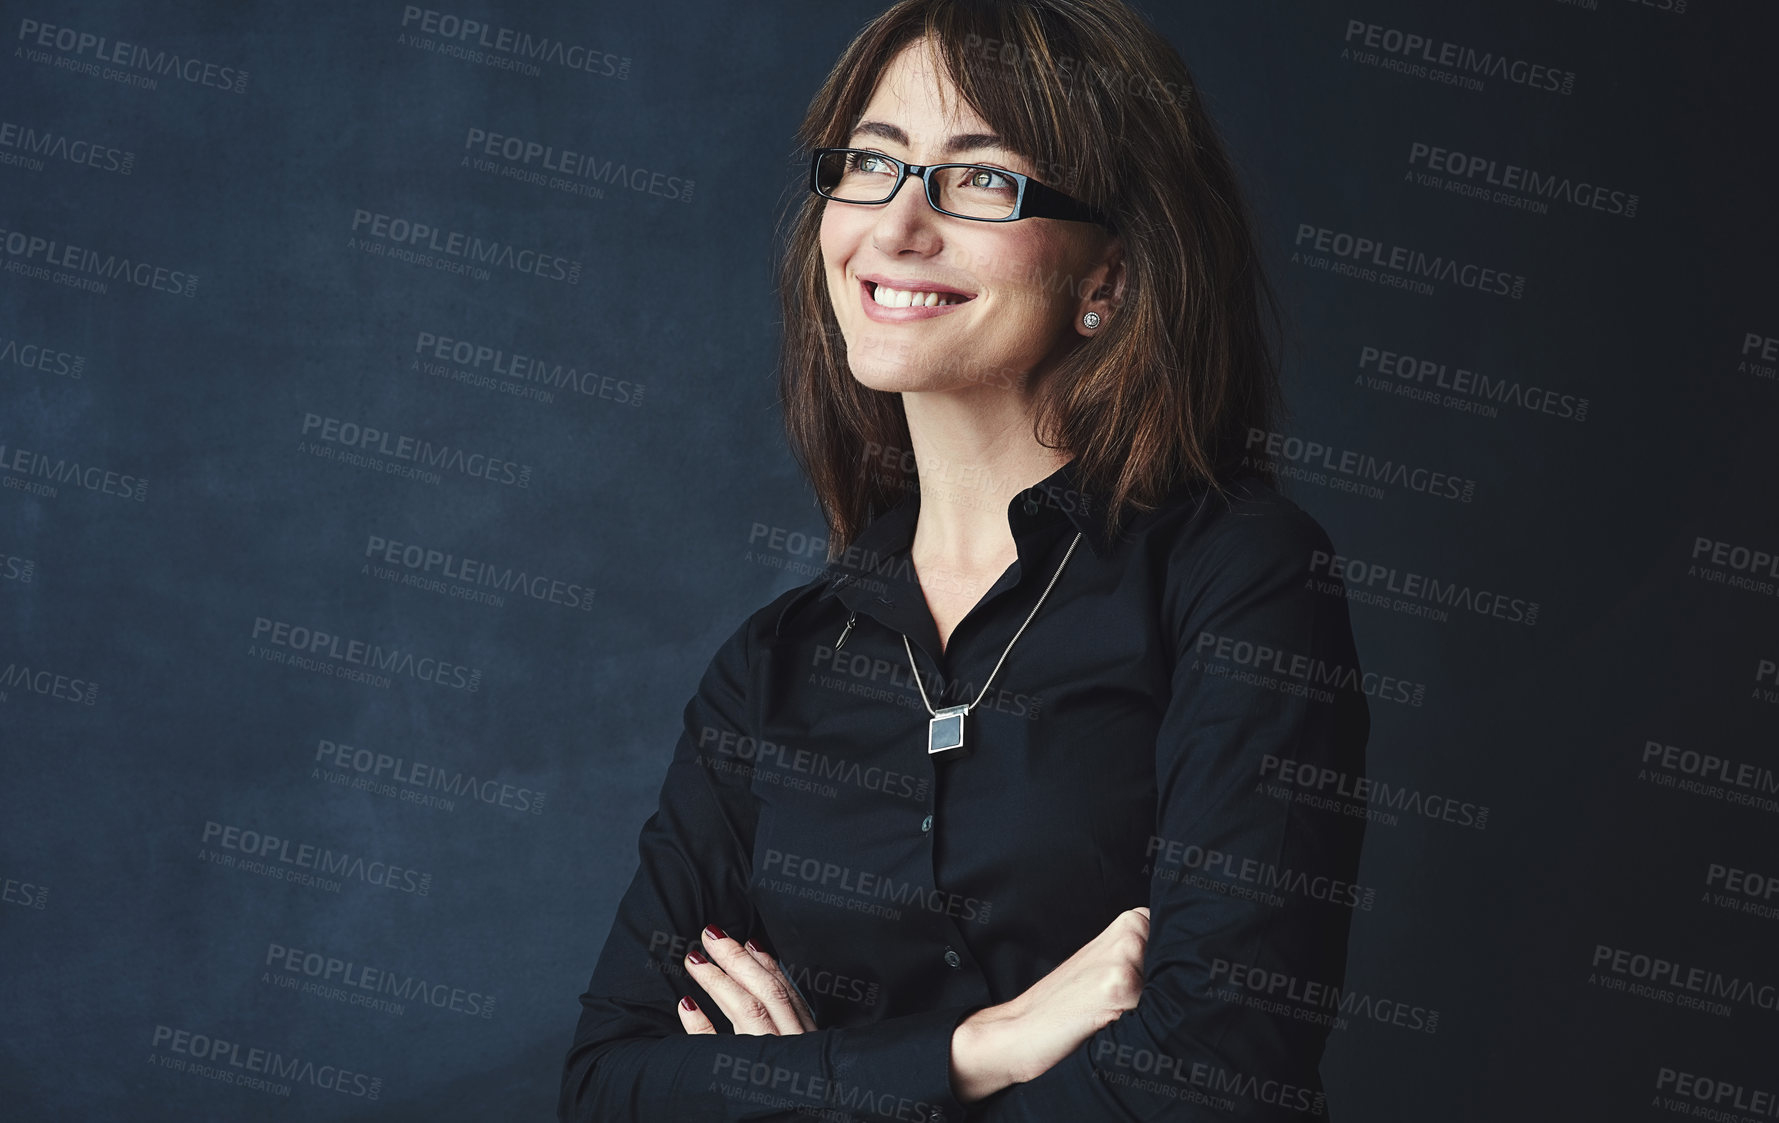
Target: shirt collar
878, 557
1057, 497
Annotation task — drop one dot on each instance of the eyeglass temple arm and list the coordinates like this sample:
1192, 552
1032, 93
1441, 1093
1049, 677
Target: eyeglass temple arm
1051, 203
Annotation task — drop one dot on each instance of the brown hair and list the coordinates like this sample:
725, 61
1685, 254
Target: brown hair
1165, 393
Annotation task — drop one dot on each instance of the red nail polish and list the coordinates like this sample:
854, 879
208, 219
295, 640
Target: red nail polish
715, 933
695, 956
688, 1003
758, 947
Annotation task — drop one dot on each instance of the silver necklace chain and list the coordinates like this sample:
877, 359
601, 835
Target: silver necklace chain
991, 675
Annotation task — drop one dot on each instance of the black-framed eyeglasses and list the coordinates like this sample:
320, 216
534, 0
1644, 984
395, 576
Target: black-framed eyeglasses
973, 191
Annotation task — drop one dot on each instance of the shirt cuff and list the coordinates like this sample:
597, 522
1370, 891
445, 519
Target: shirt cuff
900, 1068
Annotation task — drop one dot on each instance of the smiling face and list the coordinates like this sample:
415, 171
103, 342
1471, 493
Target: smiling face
930, 302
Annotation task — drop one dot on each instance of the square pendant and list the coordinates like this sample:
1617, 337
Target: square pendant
945, 732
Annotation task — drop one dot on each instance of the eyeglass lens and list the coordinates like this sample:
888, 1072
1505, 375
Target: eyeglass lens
971, 190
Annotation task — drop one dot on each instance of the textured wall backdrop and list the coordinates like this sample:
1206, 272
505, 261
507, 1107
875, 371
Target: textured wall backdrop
388, 436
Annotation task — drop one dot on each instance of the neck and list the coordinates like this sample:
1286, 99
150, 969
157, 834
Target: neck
975, 453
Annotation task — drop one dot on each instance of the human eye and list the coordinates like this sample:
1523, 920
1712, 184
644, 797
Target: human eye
982, 179
869, 163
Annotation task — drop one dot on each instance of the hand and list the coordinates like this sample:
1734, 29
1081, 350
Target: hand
1020, 1039
747, 986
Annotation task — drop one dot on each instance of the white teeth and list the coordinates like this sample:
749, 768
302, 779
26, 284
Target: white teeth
906, 298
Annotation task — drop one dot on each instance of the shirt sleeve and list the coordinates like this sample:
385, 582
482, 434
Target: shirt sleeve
631, 1060
1251, 895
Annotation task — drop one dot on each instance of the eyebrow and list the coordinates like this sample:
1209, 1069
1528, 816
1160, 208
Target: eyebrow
962, 142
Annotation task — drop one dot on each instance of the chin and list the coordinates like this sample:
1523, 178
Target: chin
891, 378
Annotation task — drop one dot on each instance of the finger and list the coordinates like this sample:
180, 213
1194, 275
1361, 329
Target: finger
765, 959
746, 1013
769, 988
766, 985
693, 1018
797, 1002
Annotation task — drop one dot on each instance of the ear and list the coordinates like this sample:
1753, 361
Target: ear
1103, 288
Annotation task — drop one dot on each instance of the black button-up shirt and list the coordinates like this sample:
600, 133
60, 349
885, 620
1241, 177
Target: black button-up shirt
1143, 744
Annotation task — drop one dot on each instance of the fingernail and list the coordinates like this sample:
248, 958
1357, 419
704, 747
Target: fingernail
756, 946
688, 1004
714, 932
695, 956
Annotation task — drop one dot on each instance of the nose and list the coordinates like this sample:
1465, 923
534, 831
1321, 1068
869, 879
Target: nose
906, 220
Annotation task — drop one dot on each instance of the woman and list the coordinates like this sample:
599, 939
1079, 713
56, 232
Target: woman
978, 823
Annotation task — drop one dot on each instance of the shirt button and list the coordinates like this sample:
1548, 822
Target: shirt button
926, 824
952, 959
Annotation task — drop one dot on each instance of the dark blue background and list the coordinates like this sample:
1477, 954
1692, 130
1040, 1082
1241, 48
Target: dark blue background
115, 925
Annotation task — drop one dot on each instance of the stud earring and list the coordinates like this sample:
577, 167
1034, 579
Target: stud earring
1092, 320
